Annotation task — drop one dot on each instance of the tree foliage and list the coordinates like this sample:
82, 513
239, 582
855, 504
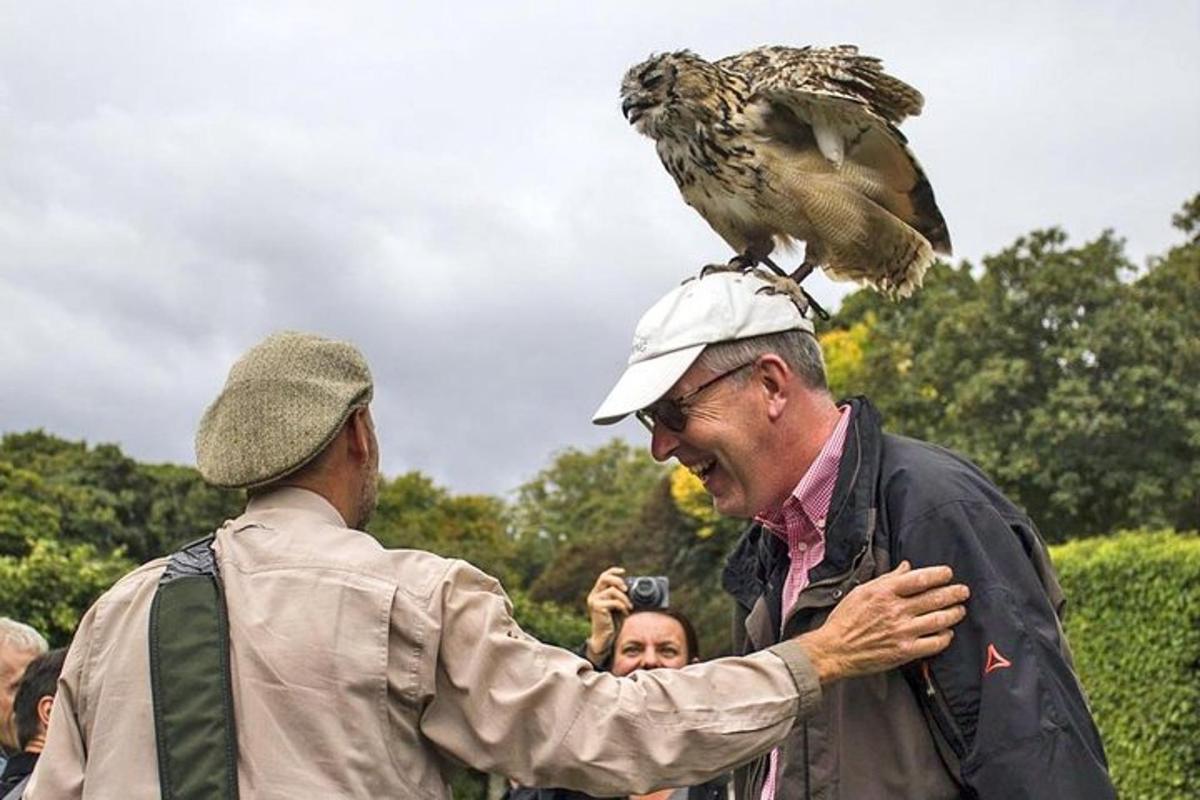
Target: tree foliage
581, 500
415, 513
100, 496
1068, 375
674, 533
53, 583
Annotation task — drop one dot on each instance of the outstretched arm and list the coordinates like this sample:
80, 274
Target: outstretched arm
502, 701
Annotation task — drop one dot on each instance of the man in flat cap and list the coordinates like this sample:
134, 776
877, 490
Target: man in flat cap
727, 374
359, 672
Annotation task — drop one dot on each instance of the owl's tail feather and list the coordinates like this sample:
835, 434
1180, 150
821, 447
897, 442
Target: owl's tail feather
929, 220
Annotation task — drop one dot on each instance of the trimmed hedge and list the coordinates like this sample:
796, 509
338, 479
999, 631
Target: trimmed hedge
1133, 619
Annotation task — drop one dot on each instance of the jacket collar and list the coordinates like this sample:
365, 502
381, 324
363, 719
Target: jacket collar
849, 522
758, 554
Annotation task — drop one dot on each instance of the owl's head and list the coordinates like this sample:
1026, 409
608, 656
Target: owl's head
666, 92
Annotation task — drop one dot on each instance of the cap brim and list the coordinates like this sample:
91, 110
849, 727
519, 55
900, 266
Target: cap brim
644, 382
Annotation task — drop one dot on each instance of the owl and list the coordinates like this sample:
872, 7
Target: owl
779, 144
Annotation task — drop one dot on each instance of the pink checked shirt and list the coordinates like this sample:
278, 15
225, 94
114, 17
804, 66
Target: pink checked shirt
800, 522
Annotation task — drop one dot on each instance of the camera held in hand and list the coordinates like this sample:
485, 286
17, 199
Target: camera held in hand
649, 591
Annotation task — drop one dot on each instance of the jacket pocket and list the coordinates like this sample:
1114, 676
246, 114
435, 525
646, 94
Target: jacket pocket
947, 735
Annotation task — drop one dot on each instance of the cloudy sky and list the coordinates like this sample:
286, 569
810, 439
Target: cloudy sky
452, 187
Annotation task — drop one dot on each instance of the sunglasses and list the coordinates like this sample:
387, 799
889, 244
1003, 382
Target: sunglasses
672, 412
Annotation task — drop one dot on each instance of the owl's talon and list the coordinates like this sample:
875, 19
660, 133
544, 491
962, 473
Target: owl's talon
708, 269
743, 262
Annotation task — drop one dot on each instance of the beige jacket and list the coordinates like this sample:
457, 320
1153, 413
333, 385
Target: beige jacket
359, 671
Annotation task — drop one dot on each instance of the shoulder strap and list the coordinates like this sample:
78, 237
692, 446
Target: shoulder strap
190, 680
17, 791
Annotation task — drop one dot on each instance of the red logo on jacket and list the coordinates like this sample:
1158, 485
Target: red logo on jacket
995, 660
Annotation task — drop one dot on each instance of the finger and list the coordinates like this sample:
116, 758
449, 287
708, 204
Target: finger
934, 599
936, 621
611, 615
919, 580
614, 582
610, 571
619, 600
928, 646
605, 577
614, 592
613, 603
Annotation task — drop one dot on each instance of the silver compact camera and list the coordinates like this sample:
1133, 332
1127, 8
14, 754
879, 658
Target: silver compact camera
649, 591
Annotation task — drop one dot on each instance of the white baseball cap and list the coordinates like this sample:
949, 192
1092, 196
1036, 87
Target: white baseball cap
717, 307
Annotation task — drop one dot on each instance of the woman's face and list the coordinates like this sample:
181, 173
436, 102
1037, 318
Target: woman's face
649, 640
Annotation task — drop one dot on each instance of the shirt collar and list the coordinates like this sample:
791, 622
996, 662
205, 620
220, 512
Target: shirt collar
293, 498
812, 494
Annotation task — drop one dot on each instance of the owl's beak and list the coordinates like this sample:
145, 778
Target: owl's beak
632, 110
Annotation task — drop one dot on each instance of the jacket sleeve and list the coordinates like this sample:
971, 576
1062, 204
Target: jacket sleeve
1005, 693
503, 702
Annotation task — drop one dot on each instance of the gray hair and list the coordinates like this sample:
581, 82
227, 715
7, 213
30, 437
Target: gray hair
799, 349
20, 636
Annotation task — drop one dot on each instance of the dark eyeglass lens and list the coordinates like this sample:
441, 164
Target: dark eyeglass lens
667, 413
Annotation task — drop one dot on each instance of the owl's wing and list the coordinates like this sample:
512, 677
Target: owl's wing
842, 95
835, 72
846, 105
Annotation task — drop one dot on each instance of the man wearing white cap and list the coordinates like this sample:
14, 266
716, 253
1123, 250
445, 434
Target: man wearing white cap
727, 374
340, 669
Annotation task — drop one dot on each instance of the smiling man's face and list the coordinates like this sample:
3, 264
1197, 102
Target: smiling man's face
723, 441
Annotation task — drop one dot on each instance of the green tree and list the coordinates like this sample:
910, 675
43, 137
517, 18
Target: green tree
104, 498
582, 497
1064, 372
54, 583
675, 533
415, 513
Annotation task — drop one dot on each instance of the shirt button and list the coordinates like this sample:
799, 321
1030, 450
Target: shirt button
821, 523
802, 547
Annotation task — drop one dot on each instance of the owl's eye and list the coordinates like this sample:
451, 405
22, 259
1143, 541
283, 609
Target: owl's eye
650, 81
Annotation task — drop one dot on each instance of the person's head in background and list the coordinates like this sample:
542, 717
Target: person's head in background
654, 638
35, 698
19, 644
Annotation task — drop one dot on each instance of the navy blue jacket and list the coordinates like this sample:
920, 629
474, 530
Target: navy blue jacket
1002, 705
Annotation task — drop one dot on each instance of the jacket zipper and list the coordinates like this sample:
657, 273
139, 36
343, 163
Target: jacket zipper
831, 581
941, 713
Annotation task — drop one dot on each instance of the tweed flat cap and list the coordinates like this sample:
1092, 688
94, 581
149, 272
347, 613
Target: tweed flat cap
283, 402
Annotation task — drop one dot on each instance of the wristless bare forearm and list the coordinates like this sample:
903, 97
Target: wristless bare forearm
824, 655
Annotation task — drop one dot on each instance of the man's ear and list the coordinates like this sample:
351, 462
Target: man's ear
360, 435
44, 704
774, 378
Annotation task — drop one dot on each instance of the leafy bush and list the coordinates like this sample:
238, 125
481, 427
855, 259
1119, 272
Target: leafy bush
1133, 619
549, 622
54, 583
